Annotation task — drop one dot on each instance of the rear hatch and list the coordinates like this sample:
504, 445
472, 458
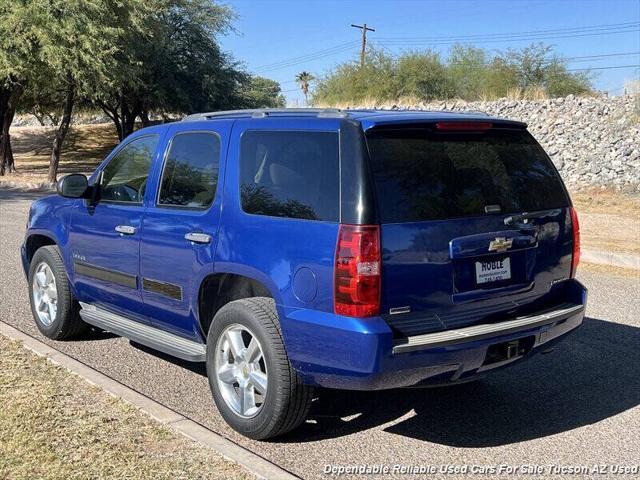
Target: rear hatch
476, 224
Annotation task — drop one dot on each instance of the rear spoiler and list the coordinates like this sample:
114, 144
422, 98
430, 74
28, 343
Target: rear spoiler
451, 124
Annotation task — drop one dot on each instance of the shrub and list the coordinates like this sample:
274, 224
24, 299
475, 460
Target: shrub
469, 73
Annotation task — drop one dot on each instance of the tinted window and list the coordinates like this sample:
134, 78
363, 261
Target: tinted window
124, 179
290, 174
190, 175
425, 175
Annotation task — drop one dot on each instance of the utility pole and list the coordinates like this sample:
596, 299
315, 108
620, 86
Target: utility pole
364, 29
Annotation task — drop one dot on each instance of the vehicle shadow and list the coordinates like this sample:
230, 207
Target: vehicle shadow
95, 334
592, 375
195, 367
9, 194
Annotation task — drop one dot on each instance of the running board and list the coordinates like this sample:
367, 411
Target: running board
144, 334
478, 332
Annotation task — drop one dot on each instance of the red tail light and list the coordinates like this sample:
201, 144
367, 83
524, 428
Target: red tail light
357, 271
575, 226
463, 126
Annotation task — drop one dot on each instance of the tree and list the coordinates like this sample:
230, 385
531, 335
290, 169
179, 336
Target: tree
172, 64
350, 83
10, 92
57, 50
422, 75
77, 54
19, 61
559, 82
43, 102
537, 66
260, 92
469, 70
501, 79
304, 79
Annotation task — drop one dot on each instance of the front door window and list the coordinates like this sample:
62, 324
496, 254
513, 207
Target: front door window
124, 179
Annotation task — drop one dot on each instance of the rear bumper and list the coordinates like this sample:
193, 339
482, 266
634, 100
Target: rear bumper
361, 354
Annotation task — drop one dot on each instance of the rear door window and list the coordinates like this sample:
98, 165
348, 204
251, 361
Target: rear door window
291, 174
190, 174
421, 174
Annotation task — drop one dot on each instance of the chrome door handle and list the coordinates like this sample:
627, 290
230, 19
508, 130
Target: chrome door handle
126, 229
197, 237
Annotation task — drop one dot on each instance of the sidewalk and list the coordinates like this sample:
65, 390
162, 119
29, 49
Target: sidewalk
612, 259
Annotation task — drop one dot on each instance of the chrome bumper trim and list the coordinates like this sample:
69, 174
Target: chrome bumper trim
478, 332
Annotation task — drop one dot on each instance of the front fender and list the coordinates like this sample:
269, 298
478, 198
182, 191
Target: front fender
49, 217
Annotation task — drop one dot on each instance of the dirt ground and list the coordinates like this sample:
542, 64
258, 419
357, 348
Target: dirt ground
55, 425
83, 149
609, 220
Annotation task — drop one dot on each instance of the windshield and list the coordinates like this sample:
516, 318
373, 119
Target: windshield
422, 174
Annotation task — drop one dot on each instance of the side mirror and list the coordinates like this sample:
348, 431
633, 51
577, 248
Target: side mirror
74, 185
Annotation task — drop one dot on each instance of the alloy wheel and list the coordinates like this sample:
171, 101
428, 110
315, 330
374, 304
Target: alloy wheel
45, 294
241, 370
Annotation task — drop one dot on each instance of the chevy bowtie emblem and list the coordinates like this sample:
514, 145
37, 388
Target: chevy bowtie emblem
500, 244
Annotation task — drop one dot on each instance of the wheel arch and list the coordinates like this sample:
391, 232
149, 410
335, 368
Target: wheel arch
222, 287
35, 241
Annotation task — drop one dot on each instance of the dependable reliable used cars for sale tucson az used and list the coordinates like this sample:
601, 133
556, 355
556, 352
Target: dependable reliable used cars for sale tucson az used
290, 249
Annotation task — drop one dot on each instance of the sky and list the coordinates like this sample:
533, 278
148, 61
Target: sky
280, 38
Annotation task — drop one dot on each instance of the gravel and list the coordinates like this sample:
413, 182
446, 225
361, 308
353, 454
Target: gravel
575, 406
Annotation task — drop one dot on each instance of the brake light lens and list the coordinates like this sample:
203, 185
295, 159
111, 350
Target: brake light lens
575, 226
463, 126
357, 271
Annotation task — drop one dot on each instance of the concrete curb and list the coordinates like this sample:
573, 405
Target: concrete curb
623, 260
255, 464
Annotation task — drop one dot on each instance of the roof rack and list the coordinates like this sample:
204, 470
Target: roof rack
265, 112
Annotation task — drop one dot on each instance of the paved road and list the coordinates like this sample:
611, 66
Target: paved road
578, 405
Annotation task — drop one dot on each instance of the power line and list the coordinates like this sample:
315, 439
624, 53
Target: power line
603, 68
327, 54
511, 39
530, 32
307, 56
603, 55
560, 59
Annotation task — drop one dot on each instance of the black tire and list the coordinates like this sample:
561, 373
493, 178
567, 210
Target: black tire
287, 400
67, 322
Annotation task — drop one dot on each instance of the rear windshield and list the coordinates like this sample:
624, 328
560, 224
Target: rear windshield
421, 174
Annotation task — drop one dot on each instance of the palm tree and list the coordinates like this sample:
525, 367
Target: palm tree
304, 78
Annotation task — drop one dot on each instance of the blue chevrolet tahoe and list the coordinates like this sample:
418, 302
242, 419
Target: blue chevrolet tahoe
293, 249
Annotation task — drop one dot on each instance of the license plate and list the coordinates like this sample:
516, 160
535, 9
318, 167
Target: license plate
493, 270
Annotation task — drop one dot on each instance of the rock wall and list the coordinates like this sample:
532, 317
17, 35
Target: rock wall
593, 141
